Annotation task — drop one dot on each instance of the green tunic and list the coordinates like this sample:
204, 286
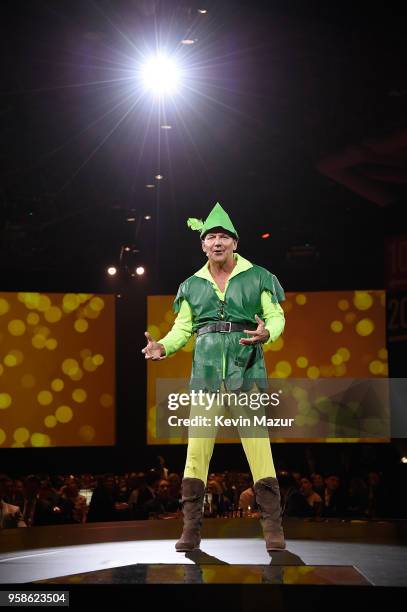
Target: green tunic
244, 364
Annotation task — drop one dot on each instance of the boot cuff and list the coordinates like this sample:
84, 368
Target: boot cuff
192, 488
269, 483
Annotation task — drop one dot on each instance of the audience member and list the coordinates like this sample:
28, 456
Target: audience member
293, 502
334, 504
76, 503
357, 498
10, 515
103, 503
162, 503
313, 499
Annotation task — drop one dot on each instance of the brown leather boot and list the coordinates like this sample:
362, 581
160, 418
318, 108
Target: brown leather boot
267, 493
193, 490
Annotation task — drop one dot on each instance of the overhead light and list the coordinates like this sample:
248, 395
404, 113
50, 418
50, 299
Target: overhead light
131, 219
112, 270
404, 460
140, 270
188, 41
202, 11
130, 248
150, 186
159, 177
147, 217
161, 75
265, 236
166, 127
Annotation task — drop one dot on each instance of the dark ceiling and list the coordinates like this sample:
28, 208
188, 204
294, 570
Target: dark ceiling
271, 88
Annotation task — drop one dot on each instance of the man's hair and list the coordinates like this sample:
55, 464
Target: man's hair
212, 231
285, 479
152, 476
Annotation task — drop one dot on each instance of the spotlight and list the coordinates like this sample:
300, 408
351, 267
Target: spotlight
404, 460
159, 177
150, 186
187, 41
147, 217
131, 219
166, 126
140, 270
265, 236
202, 11
112, 270
161, 75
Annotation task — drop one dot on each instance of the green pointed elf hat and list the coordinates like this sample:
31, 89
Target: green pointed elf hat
216, 218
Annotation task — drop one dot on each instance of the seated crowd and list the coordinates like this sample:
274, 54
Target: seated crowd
49, 500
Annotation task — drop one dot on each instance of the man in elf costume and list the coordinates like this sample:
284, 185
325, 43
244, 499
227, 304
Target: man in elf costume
233, 308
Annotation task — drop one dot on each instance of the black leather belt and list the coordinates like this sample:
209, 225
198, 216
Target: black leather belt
223, 327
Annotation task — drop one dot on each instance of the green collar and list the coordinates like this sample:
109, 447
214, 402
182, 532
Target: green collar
242, 265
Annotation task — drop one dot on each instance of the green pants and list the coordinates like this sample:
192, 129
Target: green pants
199, 453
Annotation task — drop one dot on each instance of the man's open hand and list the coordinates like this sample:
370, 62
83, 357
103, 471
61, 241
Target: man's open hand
261, 334
154, 350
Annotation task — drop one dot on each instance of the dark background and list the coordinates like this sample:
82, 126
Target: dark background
276, 87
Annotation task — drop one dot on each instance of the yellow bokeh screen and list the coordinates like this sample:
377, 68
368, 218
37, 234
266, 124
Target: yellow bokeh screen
327, 334
57, 369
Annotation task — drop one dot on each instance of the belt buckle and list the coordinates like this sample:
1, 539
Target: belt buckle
226, 331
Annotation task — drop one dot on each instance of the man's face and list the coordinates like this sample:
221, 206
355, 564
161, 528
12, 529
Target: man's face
19, 486
109, 483
306, 486
332, 482
218, 245
31, 487
211, 487
8, 486
317, 480
163, 488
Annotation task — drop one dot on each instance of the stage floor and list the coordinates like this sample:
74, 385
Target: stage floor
143, 551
